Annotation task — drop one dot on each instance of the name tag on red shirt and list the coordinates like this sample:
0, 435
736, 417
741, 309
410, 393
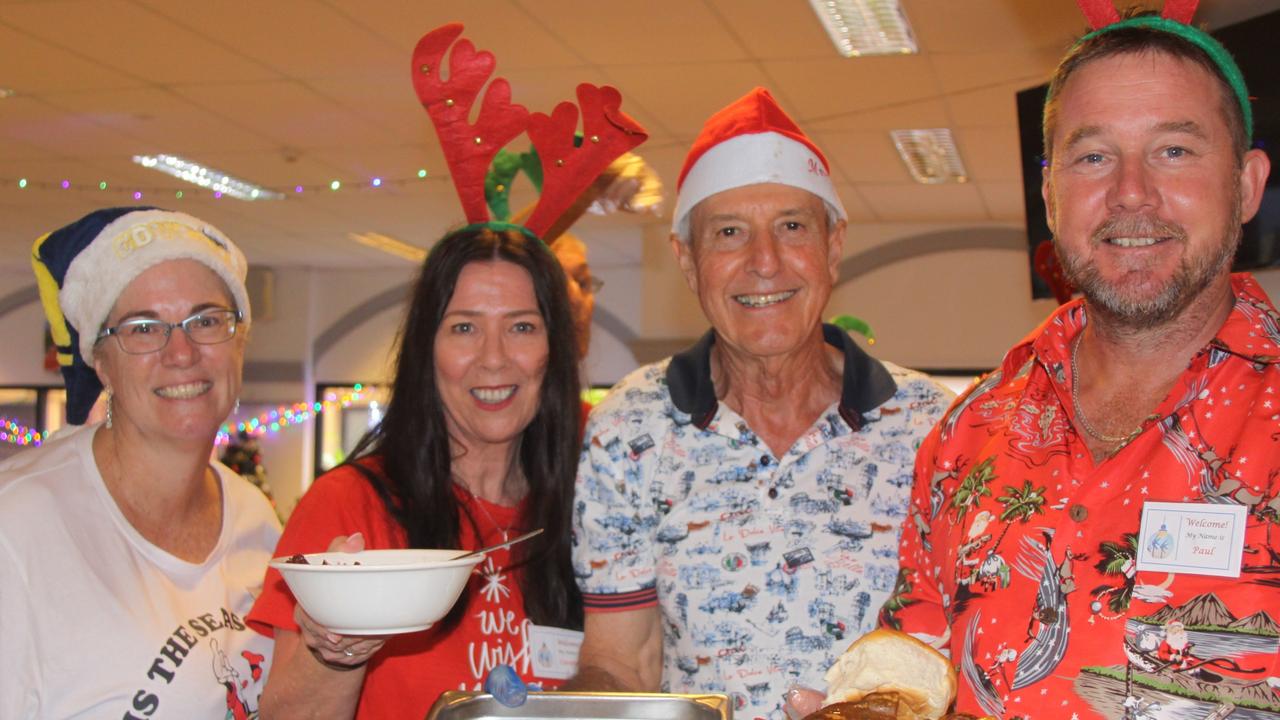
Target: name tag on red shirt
1192, 538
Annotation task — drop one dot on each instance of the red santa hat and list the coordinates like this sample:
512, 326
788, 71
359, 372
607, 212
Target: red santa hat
751, 141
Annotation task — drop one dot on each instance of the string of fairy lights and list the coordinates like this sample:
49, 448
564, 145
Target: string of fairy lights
266, 422
180, 192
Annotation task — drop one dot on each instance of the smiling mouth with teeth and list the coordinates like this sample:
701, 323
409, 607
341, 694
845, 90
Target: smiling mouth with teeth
184, 391
493, 396
1128, 242
758, 301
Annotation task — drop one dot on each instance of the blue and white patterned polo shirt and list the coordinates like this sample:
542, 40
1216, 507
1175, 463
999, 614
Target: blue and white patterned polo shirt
764, 568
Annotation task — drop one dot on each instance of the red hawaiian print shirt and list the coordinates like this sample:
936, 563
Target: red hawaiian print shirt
1019, 555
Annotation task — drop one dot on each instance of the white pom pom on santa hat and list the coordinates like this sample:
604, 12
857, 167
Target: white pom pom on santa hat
751, 141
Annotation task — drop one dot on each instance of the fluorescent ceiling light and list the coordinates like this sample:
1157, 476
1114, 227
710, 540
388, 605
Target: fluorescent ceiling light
390, 245
866, 27
930, 155
206, 177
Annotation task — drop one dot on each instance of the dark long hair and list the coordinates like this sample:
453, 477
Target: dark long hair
413, 440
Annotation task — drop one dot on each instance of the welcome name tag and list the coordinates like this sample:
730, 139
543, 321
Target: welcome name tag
1192, 538
554, 651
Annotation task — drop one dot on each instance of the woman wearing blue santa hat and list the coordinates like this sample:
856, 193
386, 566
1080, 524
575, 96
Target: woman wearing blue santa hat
128, 557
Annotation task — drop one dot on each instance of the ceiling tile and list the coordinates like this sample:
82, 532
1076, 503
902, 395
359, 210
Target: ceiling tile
958, 71
855, 206
1004, 200
140, 43
925, 113
680, 105
32, 67
499, 26
866, 156
773, 30
38, 124
319, 42
986, 107
285, 112
915, 202
638, 33
990, 153
159, 120
823, 90
950, 26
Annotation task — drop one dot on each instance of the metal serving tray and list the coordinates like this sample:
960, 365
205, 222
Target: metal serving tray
456, 705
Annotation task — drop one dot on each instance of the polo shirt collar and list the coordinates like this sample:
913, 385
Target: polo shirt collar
866, 383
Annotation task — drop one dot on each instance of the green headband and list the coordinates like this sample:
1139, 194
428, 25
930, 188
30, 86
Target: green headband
1216, 52
499, 227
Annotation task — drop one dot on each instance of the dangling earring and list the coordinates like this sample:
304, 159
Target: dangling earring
236, 408
108, 423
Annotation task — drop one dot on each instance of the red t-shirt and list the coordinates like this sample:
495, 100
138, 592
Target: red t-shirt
411, 670
1019, 551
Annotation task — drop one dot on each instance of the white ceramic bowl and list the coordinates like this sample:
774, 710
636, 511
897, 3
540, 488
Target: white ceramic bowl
388, 592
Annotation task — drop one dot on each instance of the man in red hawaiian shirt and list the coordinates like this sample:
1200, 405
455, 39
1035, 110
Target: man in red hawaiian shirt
1094, 526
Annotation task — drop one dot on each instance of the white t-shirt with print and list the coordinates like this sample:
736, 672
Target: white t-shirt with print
96, 622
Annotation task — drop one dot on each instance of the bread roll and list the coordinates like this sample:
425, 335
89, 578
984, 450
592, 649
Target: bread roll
916, 679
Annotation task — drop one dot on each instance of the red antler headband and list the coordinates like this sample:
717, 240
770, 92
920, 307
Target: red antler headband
1101, 13
568, 168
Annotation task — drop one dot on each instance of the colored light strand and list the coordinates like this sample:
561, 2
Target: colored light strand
15, 433
376, 183
273, 421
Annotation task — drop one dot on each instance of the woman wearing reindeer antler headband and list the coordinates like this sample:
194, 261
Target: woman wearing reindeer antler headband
479, 442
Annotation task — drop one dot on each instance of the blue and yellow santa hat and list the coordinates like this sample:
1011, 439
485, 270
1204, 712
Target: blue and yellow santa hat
81, 270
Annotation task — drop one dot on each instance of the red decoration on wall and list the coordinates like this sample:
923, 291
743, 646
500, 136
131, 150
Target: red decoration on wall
1050, 270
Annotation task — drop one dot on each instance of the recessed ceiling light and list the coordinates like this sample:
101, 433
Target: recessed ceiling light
866, 27
7, 92
930, 155
206, 177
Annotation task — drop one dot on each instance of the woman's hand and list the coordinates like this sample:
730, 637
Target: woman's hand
338, 652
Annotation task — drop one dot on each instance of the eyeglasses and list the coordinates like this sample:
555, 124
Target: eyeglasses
590, 284
142, 336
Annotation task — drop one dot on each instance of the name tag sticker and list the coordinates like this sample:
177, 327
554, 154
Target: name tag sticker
1191, 538
554, 651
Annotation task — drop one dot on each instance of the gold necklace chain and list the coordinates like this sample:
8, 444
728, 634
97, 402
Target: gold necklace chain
1075, 402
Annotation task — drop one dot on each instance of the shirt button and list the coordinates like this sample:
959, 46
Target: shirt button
1078, 513
773, 493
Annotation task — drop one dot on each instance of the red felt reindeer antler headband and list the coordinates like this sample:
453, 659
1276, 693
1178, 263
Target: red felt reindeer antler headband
1101, 13
568, 167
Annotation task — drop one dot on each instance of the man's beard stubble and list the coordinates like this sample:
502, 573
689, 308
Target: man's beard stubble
1193, 275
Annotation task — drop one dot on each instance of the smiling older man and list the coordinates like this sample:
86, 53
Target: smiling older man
738, 504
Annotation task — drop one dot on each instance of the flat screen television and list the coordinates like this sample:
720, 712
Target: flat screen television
1252, 42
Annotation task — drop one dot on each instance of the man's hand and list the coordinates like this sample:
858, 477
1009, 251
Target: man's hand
621, 652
